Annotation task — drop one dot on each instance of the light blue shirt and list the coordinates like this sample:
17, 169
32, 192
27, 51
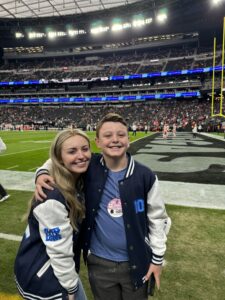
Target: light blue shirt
108, 238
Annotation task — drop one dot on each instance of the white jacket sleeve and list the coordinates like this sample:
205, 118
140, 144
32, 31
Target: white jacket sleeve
158, 219
44, 169
57, 234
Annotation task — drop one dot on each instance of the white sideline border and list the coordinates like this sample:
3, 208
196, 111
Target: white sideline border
11, 237
176, 193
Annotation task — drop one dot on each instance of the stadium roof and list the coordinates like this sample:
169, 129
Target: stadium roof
17, 9
41, 16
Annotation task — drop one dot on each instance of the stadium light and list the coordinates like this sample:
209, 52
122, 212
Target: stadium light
138, 23
72, 32
161, 17
117, 27
216, 2
99, 29
54, 34
120, 27
116, 24
34, 35
61, 33
19, 35
51, 34
127, 25
148, 21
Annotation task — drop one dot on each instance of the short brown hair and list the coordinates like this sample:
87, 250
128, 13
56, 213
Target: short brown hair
110, 117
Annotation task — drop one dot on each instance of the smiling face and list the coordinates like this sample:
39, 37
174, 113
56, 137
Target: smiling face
113, 139
76, 154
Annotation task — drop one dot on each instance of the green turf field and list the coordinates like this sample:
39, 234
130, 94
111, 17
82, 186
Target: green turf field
195, 257
27, 150
196, 250
222, 134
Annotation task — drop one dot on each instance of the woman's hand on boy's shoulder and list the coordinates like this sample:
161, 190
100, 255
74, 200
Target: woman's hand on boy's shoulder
43, 181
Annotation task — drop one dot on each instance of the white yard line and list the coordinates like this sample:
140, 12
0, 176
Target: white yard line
24, 151
10, 237
141, 138
12, 167
33, 169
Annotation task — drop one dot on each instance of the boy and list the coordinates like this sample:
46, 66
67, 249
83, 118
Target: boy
125, 217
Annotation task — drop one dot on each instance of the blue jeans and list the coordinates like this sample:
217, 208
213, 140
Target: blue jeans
80, 294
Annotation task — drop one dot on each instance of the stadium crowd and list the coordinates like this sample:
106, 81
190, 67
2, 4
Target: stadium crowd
152, 113
130, 62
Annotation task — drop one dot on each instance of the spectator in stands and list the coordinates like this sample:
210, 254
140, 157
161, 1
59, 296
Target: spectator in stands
121, 196
3, 193
183, 112
174, 129
146, 128
50, 243
194, 130
165, 131
134, 129
200, 128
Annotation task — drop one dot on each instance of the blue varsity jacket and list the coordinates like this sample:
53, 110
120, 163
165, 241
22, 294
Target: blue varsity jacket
45, 265
144, 214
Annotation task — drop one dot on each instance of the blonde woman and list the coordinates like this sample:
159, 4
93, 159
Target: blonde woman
45, 265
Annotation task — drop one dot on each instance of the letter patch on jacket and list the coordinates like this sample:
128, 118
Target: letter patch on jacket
52, 234
139, 205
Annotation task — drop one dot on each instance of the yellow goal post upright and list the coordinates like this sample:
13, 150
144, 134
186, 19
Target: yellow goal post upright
221, 113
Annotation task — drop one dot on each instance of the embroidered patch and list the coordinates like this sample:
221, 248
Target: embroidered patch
52, 234
139, 205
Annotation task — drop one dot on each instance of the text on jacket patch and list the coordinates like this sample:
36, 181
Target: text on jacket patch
52, 234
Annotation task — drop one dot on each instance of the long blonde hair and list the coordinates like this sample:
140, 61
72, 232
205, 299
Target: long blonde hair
64, 179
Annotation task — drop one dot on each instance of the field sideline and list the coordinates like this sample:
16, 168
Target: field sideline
196, 249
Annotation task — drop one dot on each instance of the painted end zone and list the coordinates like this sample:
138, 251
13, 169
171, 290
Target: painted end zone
4, 296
